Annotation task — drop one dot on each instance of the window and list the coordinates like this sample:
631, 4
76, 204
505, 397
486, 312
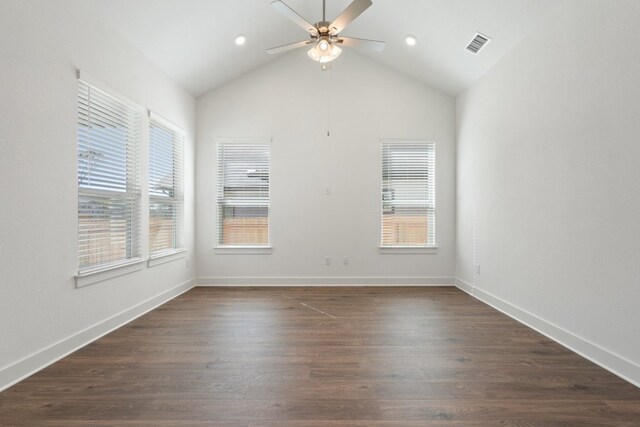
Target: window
408, 194
108, 180
243, 194
166, 194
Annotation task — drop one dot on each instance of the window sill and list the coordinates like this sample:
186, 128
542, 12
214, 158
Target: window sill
397, 250
243, 250
165, 257
99, 275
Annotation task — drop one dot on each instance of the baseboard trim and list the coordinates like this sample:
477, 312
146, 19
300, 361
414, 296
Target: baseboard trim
462, 285
324, 281
35, 362
618, 365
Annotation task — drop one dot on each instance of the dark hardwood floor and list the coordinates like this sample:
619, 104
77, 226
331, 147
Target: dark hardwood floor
322, 357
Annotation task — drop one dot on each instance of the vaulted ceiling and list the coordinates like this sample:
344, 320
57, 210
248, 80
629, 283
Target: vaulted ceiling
193, 40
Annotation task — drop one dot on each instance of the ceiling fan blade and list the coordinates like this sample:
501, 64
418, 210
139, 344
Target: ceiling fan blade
286, 47
364, 44
294, 17
348, 15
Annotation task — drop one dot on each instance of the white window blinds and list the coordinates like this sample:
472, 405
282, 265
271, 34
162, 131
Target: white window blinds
408, 194
243, 194
166, 194
108, 179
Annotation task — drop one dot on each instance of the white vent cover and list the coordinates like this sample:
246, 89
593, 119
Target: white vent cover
477, 43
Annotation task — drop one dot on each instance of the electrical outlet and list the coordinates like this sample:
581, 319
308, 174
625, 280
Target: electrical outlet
327, 190
327, 260
345, 260
188, 263
477, 268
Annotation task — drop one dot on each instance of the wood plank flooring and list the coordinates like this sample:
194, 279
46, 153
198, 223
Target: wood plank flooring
322, 357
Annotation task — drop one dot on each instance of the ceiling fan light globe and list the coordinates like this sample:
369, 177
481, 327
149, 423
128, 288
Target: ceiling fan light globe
324, 56
314, 53
323, 45
335, 51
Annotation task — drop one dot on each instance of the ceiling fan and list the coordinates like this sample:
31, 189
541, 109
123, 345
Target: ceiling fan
325, 36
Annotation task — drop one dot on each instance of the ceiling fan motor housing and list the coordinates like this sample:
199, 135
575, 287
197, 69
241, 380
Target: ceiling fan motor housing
323, 28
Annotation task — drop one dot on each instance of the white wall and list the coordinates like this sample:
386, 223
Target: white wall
293, 102
40, 49
548, 170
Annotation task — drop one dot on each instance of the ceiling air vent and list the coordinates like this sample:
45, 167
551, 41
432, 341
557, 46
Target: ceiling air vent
477, 43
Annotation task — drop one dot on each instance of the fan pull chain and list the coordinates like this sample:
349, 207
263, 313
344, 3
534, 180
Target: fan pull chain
328, 106
328, 83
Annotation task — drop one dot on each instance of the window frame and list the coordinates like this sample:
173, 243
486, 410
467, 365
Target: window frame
179, 224
429, 247
245, 249
133, 183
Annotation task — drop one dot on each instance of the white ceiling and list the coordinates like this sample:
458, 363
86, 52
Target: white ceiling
192, 40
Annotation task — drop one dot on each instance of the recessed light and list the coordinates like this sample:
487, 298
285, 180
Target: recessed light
410, 40
240, 40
